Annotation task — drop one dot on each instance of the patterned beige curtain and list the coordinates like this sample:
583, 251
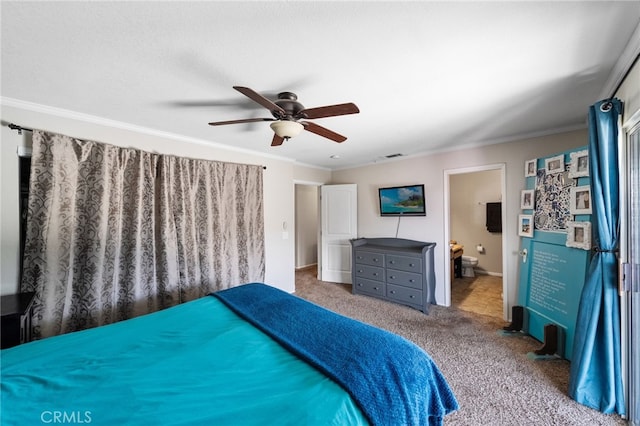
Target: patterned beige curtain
115, 232
218, 223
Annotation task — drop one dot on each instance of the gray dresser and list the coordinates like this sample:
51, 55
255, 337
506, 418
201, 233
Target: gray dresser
394, 269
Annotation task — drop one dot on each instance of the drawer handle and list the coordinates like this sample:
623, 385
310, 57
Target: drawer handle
360, 270
375, 274
411, 264
393, 292
411, 280
411, 297
375, 288
392, 262
392, 277
359, 285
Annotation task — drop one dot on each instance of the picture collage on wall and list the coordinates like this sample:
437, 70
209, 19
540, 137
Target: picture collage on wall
557, 199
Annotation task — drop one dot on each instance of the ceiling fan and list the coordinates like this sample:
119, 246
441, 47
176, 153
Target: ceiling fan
290, 116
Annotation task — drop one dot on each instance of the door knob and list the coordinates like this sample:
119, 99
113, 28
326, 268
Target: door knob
523, 253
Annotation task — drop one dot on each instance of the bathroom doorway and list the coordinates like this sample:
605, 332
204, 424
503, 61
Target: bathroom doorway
473, 195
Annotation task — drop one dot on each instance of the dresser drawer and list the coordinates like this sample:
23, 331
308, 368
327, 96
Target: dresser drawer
405, 279
370, 272
404, 294
404, 263
369, 258
375, 288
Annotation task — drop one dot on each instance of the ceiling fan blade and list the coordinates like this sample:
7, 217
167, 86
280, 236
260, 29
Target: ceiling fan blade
277, 140
244, 120
329, 111
323, 131
257, 97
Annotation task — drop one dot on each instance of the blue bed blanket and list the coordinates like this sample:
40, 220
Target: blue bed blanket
391, 379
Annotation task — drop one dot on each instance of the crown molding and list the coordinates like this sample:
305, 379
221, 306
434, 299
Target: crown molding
100, 121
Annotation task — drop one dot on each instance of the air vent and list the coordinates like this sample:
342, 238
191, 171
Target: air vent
393, 155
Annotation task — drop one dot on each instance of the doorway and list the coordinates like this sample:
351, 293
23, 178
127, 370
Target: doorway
478, 288
324, 223
306, 225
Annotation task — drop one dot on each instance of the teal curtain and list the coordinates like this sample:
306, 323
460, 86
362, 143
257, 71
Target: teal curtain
596, 377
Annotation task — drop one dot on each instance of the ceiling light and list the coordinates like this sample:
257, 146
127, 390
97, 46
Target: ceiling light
287, 128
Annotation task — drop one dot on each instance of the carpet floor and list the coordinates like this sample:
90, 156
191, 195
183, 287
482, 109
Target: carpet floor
494, 381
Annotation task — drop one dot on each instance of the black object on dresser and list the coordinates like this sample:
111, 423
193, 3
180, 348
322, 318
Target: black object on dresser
394, 269
16, 319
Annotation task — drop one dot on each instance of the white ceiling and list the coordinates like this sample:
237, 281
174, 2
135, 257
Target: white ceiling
427, 76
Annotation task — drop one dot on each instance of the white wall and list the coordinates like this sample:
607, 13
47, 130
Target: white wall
429, 169
469, 195
278, 180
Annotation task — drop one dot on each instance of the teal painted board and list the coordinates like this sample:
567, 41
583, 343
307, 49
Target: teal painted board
556, 277
552, 274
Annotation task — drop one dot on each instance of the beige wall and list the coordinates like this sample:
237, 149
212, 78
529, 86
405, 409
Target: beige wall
469, 194
310, 175
430, 170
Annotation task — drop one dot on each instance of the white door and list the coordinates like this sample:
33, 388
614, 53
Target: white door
338, 225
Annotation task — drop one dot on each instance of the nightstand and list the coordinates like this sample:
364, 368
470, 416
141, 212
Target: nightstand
16, 319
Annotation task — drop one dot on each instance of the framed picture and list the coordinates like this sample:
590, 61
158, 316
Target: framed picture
530, 167
554, 164
579, 235
580, 200
579, 165
525, 225
527, 199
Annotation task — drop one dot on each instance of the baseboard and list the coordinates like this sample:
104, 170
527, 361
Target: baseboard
302, 268
483, 272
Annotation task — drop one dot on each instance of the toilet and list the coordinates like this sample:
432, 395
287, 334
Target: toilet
468, 263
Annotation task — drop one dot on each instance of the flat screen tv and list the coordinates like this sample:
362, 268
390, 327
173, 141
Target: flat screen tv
402, 201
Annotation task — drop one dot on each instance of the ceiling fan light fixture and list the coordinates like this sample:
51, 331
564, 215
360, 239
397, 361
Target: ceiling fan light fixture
286, 128
286, 110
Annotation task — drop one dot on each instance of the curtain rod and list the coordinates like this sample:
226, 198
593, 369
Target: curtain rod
13, 126
19, 128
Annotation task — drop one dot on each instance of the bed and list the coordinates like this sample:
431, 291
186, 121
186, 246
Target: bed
249, 355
